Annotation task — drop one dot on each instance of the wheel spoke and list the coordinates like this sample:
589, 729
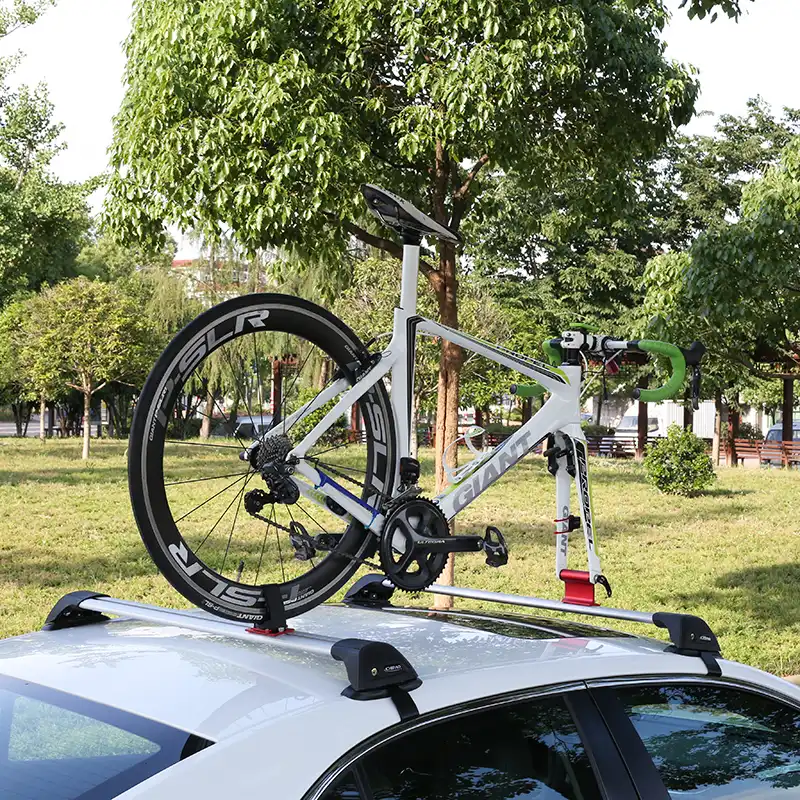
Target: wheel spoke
312, 519
233, 525
212, 478
260, 388
237, 496
280, 549
202, 444
212, 497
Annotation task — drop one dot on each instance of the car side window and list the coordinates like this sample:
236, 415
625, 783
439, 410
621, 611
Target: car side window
55, 746
527, 751
712, 741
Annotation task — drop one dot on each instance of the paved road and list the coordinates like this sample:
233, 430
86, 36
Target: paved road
9, 429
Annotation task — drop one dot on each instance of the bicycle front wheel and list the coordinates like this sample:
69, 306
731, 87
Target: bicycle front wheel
204, 450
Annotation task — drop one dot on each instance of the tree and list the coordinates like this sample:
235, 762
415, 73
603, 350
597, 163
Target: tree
14, 390
82, 335
108, 260
42, 221
20, 13
265, 120
749, 272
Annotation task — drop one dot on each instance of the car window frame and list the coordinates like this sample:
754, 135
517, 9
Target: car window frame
608, 764
644, 773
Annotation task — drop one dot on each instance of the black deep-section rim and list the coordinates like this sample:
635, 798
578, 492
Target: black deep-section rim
166, 546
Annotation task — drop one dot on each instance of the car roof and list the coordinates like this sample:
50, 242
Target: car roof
779, 426
215, 686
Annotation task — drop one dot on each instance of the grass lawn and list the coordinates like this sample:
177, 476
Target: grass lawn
731, 556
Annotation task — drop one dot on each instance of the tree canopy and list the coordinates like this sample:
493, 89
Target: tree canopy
83, 335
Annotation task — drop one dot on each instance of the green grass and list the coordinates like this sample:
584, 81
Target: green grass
731, 556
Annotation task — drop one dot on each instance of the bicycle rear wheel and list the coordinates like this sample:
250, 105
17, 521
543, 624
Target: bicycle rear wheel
203, 431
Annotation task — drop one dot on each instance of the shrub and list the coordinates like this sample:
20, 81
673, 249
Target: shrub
749, 431
590, 429
678, 464
335, 434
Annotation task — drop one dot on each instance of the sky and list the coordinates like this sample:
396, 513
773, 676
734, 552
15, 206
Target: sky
76, 49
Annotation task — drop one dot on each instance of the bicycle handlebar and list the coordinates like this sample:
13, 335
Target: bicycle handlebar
673, 385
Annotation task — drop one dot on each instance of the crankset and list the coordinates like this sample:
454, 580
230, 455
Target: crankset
416, 542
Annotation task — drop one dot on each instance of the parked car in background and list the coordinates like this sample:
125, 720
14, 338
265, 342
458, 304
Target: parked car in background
629, 426
246, 427
775, 433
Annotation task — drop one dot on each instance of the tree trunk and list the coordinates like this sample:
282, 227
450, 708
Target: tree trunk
787, 433
17, 409
641, 427
717, 427
733, 433
205, 427
598, 420
688, 411
277, 390
87, 426
28, 410
450, 362
42, 422
527, 409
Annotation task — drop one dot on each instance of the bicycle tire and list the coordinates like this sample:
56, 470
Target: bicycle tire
197, 581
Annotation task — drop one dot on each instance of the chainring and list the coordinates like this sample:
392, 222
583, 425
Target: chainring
405, 568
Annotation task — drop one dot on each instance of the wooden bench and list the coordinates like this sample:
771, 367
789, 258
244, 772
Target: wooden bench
748, 448
772, 452
791, 454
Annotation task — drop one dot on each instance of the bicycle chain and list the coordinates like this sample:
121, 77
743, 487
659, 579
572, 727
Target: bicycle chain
283, 528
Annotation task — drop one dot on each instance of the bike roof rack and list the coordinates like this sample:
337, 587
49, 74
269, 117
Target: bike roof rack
690, 635
374, 669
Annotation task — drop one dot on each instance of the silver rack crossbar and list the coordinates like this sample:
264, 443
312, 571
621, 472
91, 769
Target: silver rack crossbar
540, 602
689, 635
307, 643
374, 669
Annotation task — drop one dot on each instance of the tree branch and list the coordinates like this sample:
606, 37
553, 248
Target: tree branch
462, 190
379, 242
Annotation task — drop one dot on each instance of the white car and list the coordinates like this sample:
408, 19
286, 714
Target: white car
376, 702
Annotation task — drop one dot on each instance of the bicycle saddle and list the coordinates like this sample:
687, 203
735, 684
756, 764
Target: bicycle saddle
402, 217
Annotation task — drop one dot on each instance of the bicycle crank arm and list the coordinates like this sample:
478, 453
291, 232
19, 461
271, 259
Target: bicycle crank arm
450, 544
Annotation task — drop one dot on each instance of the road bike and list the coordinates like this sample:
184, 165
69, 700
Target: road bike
325, 482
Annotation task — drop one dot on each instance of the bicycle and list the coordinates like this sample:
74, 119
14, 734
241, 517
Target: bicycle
319, 371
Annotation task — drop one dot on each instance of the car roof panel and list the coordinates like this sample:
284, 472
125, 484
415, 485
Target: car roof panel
216, 686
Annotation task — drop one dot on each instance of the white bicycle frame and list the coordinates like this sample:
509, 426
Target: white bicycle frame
559, 416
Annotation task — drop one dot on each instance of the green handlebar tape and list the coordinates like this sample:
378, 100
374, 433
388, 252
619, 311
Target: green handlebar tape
553, 353
528, 389
675, 382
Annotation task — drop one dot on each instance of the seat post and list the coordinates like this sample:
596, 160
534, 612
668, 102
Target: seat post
408, 286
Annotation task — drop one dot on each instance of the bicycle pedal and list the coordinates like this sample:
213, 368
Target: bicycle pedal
302, 542
495, 547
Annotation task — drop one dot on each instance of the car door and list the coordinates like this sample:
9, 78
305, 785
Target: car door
547, 746
703, 739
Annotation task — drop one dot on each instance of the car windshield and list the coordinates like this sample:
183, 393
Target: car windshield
776, 434
55, 746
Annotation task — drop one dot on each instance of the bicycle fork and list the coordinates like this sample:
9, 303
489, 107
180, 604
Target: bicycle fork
567, 462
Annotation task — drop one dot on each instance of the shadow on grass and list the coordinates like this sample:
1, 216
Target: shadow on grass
720, 492
68, 476
767, 595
